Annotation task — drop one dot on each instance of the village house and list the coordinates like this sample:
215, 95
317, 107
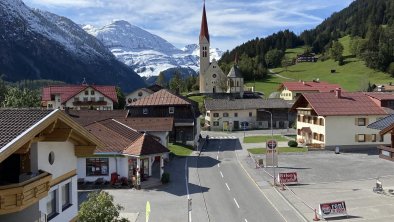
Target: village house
338, 119
383, 87
38, 165
306, 57
292, 90
79, 97
138, 94
165, 103
386, 126
237, 114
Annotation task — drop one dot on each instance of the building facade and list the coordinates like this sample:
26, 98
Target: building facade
341, 120
292, 90
79, 97
138, 94
38, 165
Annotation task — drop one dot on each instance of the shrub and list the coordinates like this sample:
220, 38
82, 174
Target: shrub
165, 178
292, 143
341, 61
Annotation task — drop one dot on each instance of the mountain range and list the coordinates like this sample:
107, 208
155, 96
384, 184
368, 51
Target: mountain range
35, 44
146, 53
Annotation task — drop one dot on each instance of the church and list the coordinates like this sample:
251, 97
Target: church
212, 78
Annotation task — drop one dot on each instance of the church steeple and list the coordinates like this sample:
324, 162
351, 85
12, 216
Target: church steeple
204, 25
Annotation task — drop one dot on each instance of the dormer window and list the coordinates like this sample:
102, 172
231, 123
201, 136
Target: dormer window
86, 92
171, 110
140, 93
92, 92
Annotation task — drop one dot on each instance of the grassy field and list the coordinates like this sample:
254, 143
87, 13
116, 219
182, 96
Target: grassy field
262, 139
180, 150
353, 76
280, 150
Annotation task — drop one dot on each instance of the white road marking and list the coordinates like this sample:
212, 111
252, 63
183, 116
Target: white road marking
220, 137
217, 157
236, 202
228, 188
221, 174
246, 220
218, 164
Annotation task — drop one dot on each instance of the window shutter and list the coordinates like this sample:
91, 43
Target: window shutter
356, 122
368, 138
356, 138
366, 121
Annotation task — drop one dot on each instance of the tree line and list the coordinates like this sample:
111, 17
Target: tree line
20, 94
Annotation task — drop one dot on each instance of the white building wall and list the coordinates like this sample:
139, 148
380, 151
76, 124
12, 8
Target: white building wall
342, 130
96, 97
315, 128
136, 95
210, 81
286, 95
116, 164
243, 115
65, 159
68, 213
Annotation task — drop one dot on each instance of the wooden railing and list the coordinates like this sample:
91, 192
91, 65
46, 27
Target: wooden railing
18, 196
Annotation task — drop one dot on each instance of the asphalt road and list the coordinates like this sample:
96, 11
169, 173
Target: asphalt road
232, 195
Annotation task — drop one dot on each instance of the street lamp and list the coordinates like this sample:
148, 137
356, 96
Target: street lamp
272, 138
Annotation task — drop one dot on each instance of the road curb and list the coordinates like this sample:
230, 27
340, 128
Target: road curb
302, 217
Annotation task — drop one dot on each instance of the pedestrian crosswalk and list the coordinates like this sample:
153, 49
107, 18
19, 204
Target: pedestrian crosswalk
223, 137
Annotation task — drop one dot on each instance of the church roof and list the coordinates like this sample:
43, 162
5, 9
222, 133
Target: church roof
204, 25
234, 72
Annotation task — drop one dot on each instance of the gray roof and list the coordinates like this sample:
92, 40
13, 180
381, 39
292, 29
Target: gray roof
382, 123
16, 121
234, 72
239, 104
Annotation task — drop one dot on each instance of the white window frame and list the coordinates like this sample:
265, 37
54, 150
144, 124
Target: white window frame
171, 110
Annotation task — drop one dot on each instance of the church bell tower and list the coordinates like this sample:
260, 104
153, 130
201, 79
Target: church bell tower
204, 50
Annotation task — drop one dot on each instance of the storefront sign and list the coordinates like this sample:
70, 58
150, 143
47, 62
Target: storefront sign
288, 178
334, 209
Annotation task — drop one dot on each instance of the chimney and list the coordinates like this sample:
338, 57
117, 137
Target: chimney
338, 92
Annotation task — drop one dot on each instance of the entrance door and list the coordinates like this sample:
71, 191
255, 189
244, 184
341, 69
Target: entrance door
236, 125
214, 89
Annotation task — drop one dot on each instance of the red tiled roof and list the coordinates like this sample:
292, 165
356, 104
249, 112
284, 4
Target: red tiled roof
327, 104
310, 86
204, 25
381, 95
161, 98
121, 139
145, 145
68, 91
157, 124
86, 117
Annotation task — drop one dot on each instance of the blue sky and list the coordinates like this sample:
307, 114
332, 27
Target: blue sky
231, 22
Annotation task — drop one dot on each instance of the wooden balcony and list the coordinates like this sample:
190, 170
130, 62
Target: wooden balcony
89, 103
18, 196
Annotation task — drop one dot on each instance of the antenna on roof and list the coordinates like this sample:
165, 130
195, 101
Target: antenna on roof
84, 81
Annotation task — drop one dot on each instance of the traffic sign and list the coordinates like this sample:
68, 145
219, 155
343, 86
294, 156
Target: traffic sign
272, 144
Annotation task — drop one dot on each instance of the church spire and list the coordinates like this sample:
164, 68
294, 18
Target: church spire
204, 25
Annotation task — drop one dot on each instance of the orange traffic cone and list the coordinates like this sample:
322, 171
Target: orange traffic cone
316, 217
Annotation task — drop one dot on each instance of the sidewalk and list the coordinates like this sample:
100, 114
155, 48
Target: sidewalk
264, 183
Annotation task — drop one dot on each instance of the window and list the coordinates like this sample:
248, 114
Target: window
66, 192
225, 114
315, 136
235, 114
208, 114
215, 114
321, 122
171, 110
145, 111
298, 131
85, 99
101, 99
315, 120
135, 99
50, 106
373, 137
129, 100
96, 166
298, 118
250, 114
361, 122
51, 205
381, 138
92, 92
360, 137
139, 93
216, 123
322, 137
92, 99
76, 99
214, 76
86, 92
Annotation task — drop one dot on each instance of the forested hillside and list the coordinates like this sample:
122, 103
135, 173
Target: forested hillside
369, 23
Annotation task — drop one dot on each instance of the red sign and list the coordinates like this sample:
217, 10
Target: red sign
334, 209
288, 178
271, 144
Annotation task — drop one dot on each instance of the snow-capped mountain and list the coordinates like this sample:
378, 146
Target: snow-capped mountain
35, 44
147, 53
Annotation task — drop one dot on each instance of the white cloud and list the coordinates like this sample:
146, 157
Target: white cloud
178, 21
